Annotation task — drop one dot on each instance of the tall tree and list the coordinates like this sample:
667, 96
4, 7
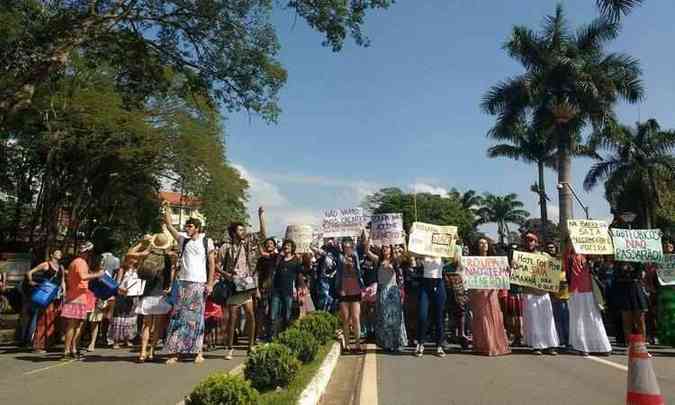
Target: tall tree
502, 210
226, 48
569, 83
639, 157
423, 207
470, 200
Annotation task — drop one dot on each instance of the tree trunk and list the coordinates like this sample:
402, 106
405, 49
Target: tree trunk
647, 204
542, 201
565, 179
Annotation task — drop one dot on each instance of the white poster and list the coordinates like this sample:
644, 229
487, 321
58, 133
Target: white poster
637, 245
387, 229
340, 223
432, 240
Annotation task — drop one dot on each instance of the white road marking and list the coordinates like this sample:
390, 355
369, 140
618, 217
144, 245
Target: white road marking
369, 384
608, 363
39, 370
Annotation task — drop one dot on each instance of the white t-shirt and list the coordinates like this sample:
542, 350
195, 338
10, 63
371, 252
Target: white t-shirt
433, 267
193, 260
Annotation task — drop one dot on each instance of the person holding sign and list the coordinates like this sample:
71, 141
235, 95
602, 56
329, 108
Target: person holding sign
390, 331
487, 325
433, 290
666, 304
587, 331
632, 298
540, 331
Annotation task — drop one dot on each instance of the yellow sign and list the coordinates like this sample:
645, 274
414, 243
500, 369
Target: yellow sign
590, 237
432, 240
536, 270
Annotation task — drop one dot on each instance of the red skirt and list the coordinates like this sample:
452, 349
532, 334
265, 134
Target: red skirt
46, 330
514, 304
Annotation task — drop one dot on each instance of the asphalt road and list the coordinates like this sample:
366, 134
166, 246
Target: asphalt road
104, 377
520, 378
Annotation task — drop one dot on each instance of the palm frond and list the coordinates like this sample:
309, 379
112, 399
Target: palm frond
591, 37
600, 171
615, 9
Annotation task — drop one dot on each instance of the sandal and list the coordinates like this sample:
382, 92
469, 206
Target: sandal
199, 359
172, 360
141, 359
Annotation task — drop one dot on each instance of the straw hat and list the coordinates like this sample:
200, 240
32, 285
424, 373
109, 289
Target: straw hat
160, 241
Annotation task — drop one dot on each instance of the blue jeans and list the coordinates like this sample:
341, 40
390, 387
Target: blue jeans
432, 290
281, 309
561, 314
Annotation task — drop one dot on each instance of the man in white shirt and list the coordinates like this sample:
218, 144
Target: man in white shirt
194, 281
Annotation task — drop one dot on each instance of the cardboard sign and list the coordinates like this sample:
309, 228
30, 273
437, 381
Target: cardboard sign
387, 229
637, 245
485, 273
340, 223
536, 270
432, 240
666, 270
590, 237
302, 235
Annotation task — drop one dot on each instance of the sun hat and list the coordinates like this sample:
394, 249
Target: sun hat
85, 247
160, 241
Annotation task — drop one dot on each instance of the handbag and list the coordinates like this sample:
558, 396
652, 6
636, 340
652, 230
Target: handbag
221, 292
242, 284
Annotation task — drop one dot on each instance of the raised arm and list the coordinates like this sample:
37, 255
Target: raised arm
167, 222
366, 249
263, 228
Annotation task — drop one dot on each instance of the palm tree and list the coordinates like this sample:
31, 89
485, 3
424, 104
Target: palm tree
569, 83
470, 200
639, 157
502, 210
615, 9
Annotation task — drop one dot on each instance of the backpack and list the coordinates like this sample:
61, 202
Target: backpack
152, 265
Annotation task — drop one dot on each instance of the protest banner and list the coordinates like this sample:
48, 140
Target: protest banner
340, 223
432, 240
536, 270
386, 229
590, 237
637, 245
302, 235
666, 270
485, 272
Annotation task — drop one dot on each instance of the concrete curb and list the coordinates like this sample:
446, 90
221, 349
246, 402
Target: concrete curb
314, 391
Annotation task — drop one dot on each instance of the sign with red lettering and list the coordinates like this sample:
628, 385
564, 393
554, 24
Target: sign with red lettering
485, 272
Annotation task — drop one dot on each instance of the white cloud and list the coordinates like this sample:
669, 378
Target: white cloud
429, 188
261, 192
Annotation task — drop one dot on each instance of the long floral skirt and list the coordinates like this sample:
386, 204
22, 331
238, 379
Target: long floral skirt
124, 323
186, 328
390, 333
46, 331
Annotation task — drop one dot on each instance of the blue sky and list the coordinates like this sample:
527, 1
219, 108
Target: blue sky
405, 111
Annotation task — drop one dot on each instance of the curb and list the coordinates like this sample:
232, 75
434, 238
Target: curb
312, 394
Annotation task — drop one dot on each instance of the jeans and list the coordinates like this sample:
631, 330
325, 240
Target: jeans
29, 324
325, 301
561, 315
281, 309
432, 290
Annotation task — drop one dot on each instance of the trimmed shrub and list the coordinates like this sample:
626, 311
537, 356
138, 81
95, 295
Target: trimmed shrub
321, 325
271, 366
221, 388
333, 320
301, 343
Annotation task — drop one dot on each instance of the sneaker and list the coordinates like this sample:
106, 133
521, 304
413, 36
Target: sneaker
230, 353
552, 352
419, 351
538, 352
440, 352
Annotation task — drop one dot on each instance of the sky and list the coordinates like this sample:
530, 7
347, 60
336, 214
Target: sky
405, 111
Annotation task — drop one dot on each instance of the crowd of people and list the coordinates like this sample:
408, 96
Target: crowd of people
183, 292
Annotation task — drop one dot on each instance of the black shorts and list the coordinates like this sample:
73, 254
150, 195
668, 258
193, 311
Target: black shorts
350, 298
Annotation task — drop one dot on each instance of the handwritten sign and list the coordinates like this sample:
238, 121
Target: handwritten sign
485, 273
302, 235
339, 223
666, 270
590, 237
637, 245
386, 229
536, 270
432, 240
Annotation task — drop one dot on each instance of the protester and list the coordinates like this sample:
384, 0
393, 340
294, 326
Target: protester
265, 270
432, 291
514, 308
77, 304
287, 276
43, 324
587, 331
559, 301
538, 321
369, 294
632, 300
325, 277
667, 305
412, 276
239, 266
123, 327
390, 331
153, 305
456, 303
194, 282
487, 326
103, 309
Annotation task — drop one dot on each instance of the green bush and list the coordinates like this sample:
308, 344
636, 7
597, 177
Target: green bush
271, 366
221, 388
321, 325
301, 343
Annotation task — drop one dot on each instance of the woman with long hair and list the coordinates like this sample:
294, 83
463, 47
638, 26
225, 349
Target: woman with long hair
348, 287
390, 331
287, 275
487, 324
43, 323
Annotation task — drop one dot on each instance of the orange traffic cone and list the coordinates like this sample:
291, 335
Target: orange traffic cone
643, 389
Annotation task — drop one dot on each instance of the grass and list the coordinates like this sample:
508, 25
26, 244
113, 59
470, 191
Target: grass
290, 395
